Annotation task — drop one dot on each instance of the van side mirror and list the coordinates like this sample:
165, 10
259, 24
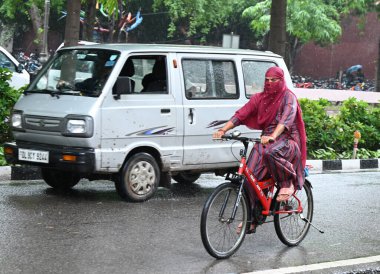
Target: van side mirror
122, 86
20, 68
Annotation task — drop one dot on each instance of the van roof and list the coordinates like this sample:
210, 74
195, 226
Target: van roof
132, 47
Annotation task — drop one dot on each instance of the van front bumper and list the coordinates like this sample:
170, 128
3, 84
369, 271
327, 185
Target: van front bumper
63, 158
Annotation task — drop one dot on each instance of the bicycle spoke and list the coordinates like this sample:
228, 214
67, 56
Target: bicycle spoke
290, 228
218, 229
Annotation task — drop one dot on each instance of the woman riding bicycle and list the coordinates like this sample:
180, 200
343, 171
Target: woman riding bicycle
282, 151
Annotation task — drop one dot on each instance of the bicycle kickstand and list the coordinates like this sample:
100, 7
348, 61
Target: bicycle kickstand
306, 220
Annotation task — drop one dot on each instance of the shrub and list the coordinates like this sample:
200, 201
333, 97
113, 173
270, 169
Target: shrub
2, 158
8, 98
358, 115
331, 137
316, 121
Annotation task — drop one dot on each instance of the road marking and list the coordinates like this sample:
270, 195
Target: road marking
319, 266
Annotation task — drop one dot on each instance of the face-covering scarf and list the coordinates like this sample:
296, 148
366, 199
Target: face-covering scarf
266, 104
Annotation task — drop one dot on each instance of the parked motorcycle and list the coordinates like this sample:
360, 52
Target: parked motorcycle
30, 63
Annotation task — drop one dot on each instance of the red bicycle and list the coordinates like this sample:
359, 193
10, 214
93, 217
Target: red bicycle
229, 206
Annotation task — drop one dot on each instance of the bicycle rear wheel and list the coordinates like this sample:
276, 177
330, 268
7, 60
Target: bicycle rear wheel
290, 228
218, 229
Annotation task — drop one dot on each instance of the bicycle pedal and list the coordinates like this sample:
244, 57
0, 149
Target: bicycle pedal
288, 207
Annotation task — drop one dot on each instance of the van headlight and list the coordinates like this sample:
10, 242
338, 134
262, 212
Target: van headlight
78, 126
16, 120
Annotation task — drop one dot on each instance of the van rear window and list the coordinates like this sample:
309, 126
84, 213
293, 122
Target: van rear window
210, 79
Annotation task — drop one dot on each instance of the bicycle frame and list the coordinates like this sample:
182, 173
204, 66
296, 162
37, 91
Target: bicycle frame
258, 187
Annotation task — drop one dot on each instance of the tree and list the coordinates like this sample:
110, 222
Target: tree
88, 26
378, 72
72, 22
120, 15
378, 58
25, 15
306, 21
277, 34
199, 17
315, 21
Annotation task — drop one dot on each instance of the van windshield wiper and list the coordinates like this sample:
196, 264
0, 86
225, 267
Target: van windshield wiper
60, 92
53, 93
47, 91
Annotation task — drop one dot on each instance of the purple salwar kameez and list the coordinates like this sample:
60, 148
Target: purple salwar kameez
281, 159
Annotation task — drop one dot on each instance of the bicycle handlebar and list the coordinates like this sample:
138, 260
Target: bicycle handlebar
245, 140
240, 138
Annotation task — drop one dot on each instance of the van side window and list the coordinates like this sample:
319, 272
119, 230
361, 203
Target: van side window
148, 74
210, 79
128, 70
254, 75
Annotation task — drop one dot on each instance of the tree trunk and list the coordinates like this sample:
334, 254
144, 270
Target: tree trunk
277, 35
292, 51
72, 30
72, 23
89, 22
120, 37
37, 23
378, 71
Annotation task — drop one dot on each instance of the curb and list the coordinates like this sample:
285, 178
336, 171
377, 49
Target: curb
5, 173
8, 173
354, 165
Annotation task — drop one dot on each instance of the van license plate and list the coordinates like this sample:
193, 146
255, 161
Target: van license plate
33, 155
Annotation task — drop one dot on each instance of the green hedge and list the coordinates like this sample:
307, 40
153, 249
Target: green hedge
332, 136
8, 98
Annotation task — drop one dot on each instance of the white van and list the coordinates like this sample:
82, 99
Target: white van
20, 77
135, 114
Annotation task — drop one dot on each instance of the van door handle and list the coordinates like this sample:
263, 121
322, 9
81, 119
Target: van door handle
165, 110
191, 116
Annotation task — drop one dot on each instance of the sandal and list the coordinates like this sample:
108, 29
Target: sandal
251, 230
285, 193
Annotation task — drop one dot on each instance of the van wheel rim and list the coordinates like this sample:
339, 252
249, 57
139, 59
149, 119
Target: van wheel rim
142, 178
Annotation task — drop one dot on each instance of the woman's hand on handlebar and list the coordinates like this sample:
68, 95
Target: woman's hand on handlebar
267, 139
218, 134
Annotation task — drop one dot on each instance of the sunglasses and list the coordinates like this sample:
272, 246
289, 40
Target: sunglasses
272, 79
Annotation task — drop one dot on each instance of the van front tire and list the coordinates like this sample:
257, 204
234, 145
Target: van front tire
58, 179
139, 178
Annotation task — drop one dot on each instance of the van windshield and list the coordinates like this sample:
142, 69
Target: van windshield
76, 72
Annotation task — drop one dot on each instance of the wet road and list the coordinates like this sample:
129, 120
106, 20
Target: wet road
90, 230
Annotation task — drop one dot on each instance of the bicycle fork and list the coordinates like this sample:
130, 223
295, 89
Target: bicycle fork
236, 205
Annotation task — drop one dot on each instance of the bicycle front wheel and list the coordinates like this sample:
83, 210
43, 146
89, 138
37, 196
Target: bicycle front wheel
218, 225
291, 229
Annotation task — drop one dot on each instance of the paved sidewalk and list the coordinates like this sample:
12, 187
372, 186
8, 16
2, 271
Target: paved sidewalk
8, 173
334, 95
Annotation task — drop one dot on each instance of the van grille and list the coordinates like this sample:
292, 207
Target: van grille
43, 123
